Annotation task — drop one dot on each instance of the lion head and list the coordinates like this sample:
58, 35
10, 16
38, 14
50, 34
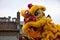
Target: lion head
36, 24
34, 17
33, 13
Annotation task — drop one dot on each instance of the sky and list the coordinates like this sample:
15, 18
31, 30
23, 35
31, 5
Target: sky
11, 7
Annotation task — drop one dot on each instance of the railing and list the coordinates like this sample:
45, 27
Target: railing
5, 19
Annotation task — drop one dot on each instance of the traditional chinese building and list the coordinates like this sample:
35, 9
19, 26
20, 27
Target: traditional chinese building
10, 27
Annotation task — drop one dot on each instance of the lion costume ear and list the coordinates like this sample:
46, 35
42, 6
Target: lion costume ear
43, 8
22, 13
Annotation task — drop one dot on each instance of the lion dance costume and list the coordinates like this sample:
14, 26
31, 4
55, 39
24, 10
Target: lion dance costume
37, 26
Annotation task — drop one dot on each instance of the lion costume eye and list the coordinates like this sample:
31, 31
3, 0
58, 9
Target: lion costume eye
37, 13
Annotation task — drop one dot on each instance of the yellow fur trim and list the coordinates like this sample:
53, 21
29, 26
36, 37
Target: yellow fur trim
42, 8
36, 24
34, 9
22, 13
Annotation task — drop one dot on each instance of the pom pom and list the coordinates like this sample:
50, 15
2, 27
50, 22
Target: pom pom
30, 5
27, 20
26, 12
34, 18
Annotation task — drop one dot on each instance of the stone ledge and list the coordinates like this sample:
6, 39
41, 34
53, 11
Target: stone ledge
9, 30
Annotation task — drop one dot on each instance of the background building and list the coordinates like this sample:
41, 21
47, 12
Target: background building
10, 29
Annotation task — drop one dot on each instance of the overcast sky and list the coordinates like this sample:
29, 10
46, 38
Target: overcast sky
11, 7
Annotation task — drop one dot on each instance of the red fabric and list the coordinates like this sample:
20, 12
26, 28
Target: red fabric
21, 38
